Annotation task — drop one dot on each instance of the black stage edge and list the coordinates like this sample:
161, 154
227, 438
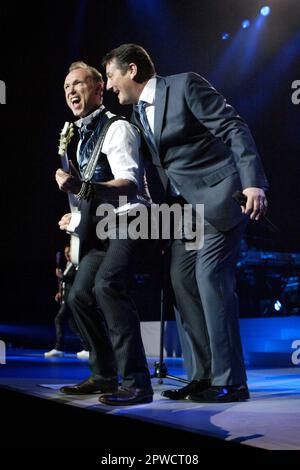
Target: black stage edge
37, 423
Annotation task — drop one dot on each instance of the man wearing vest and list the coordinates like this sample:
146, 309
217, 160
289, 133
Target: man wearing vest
102, 306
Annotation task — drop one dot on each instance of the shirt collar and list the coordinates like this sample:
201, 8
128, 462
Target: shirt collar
85, 121
148, 93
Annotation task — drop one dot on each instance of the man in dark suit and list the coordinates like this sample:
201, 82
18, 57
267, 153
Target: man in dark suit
203, 152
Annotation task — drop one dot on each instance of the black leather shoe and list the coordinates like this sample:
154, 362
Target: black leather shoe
182, 393
221, 394
90, 386
127, 396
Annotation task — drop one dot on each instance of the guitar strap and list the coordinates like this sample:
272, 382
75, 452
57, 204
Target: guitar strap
92, 163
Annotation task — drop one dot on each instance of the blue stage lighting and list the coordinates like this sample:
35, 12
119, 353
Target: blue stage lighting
245, 24
265, 11
225, 36
277, 306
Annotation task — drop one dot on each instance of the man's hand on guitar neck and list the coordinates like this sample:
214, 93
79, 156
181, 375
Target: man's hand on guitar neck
68, 182
64, 221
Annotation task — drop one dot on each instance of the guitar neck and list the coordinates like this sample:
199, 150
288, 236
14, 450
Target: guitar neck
65, 163
65, 137
73, 202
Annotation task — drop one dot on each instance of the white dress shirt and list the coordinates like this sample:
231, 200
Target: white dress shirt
122, 147
148, 95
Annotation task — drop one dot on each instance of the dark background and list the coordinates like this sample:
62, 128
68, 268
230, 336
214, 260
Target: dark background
39, 41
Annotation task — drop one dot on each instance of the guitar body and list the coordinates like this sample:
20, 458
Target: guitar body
82, 239
73, 227
74, 247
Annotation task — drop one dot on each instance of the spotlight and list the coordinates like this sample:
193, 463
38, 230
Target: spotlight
225, 36
265, 11
277, 306
245, 24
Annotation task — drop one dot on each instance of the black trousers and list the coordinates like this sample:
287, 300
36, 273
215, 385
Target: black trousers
204, 286
63, 315
107, 316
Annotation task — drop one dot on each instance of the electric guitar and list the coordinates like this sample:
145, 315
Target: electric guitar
65, 138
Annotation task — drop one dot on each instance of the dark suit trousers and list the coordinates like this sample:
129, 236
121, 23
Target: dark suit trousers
204, 285
106, 314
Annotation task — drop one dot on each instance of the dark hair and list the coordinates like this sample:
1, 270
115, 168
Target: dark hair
132, 53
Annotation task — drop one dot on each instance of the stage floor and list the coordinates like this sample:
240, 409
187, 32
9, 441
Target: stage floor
270, 420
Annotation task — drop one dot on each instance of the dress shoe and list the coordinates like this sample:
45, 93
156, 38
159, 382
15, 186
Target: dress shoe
182, 393
221, 394
127, 396
90, 386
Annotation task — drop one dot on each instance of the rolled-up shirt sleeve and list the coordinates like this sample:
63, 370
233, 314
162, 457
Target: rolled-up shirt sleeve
121, 146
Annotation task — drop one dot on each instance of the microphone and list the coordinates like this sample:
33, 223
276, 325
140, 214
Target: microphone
241, 200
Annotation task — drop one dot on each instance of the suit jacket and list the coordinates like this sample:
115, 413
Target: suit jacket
205, 147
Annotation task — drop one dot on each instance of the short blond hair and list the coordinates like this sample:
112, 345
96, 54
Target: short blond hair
95, 74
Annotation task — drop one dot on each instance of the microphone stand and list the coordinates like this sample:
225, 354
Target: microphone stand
160, 368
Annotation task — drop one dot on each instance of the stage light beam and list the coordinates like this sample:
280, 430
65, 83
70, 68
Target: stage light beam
278, 306
265, 11
225, 36
245, 24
